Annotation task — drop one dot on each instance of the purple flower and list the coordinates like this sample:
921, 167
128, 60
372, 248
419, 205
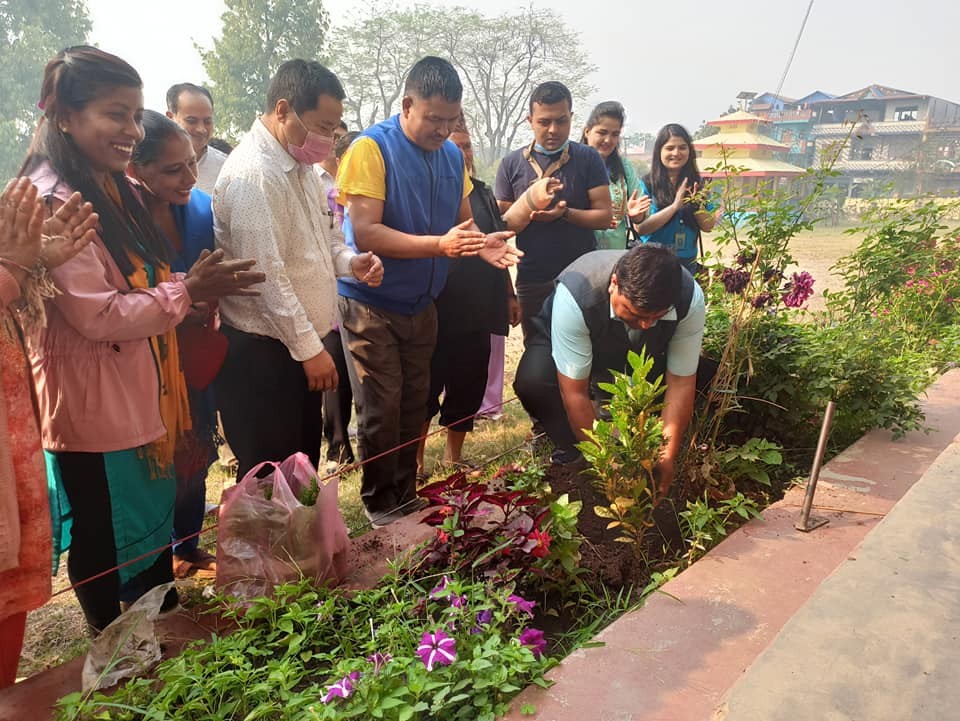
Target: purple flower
483, 618
342, 688
798, 290
379, 660
771, 274
522, 604
533, 639
746, 257
762, 300
438, 590
734, 280
458, 601
437, 649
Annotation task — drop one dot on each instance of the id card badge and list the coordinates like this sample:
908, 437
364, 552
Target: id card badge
680, 240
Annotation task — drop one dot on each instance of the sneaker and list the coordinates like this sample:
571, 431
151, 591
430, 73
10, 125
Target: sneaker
565, 457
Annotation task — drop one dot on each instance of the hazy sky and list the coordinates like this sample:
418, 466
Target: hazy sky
666, 62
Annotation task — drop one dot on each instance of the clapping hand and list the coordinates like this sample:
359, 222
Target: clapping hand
498, 252
68, 231
638, 206
367, 268
212, 277
21, 218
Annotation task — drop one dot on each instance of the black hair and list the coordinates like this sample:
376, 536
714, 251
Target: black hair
343, 125
609, 109
342, 145
301, 83
157, 130
75, 77
550, 93
658, 180
649, 276
175, 91
432, 76
220, 144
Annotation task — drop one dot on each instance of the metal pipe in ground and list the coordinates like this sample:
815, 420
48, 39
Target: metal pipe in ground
807, 522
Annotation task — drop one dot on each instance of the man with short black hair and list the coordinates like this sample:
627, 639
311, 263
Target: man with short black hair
268, 205
563, 232
405, 189
607, 303
191, 107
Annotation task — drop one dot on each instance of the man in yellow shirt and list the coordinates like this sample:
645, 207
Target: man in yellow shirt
405, 189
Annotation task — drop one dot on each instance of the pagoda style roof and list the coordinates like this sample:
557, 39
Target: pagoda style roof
739, 116
741, 139
753, 168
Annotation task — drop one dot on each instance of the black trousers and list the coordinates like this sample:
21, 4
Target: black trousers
531, 296
93, 546
338, 404
458, 369
267, 409
390, 373
537, 388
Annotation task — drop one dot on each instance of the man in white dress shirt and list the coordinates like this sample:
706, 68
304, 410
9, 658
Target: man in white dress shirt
191, 107
268, 205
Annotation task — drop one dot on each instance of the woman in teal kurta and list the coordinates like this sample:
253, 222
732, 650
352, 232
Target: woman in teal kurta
602, 133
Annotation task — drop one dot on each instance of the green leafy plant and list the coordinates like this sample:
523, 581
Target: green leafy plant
399, 652
623, 450
704, 526
750, 460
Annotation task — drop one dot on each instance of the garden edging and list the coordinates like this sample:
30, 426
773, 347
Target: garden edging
676, 658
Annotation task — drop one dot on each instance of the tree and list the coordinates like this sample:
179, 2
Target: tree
500, 60
257, 36
32, 32
638, 140
372, 56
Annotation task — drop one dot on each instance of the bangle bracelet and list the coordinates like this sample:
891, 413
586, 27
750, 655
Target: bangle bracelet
526, 196
14, 264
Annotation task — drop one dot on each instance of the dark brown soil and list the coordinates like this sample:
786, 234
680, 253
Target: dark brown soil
614, 563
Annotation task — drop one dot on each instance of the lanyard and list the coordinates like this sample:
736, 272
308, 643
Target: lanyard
553, 167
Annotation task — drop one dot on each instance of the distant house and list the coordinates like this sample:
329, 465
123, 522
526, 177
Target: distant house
891, 132
791, 122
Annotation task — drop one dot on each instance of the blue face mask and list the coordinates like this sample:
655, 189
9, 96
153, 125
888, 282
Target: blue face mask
543, 151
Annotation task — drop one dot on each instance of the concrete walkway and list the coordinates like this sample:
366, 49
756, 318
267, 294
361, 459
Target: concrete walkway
880, 639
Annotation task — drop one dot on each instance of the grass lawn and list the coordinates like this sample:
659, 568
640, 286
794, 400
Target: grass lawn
55, 633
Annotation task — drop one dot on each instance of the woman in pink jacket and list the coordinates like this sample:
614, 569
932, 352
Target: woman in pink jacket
24, 511
111, 393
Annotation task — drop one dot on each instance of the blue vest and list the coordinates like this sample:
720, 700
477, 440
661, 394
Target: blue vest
195, 224
424, 191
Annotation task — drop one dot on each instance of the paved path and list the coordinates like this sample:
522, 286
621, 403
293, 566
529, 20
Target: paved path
880, 639
677, 658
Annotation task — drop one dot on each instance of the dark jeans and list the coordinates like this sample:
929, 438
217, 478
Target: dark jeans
92, 544
267, 410
459, 371
338, 404
538, 390
390, 375
531, 297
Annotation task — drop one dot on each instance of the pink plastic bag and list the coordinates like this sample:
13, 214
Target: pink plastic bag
267, 536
